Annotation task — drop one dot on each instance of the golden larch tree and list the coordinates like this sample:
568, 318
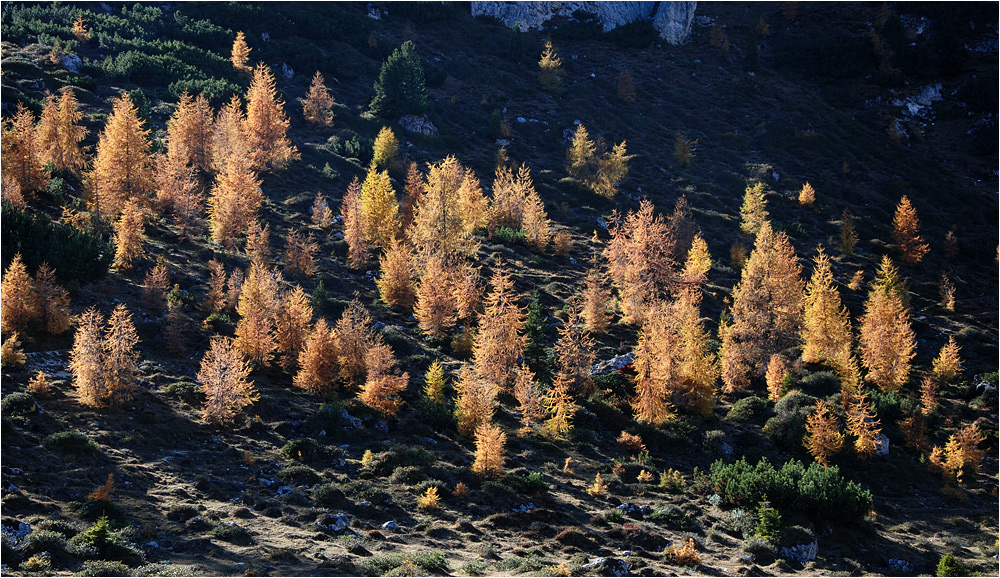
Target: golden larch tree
530, 396
129, 235
258, 243
823, 438
472, 202
863, 425
60, 134
21, 153
500, 340
223, 376
123, 165
510, 192
639, 260
651, 403
383, 384
266, 125
434, 383
550, 68
753, 212
189, 131
826, 324
395, 282
258, 303
353, 215
886, 340
240, 53
234, 201
86, 358
53, 300
120, 367
11, 354
928, 395
766, 311
581, 162
888, 277
695, 370
698, 263
906, 233
535, 223
439, 227
291, 326
435, 300
20, 301
378, 201
475, 401
596, 298
215, 299
384, 149
612, 169
947, 365
318, 366
317, 106
560, 407
962, 451
228, 136
490, 450
777, 371
354, 337
807, 196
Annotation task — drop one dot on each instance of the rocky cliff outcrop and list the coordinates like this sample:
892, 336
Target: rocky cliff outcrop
671, 19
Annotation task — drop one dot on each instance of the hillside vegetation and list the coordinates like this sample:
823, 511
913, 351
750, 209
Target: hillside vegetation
384, 289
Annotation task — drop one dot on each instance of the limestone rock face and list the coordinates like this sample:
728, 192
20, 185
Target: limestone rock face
671, 19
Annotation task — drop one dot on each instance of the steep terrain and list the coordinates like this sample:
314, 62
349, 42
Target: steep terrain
790, 93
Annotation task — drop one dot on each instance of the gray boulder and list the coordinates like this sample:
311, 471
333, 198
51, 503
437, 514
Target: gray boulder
418, 123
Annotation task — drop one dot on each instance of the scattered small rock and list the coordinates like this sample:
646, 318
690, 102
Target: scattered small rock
334, 522
391, 526
803, 553
419, 124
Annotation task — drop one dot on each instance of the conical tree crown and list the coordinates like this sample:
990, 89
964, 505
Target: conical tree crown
400, 88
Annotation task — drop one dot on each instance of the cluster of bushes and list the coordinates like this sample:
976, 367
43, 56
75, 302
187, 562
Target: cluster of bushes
74, 254
814, 490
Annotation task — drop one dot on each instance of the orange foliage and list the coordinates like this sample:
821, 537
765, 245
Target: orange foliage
354, 337
826, 327
234, 201
154, 289
189, 131
300, 254
947, 365
886, 340
228, 136
241, 52
318, 365
123, 167
906, 233
20, 301
575, 353
474, 402
500, 340
863, 425
317, 106
21, 157
823, 437
395, 283
435, 301
266, 125
807, 196
59, 135
291, 325
103, 493
129, 235
777, 371
490, 441
353, 215
529, 395
560, 406
382, 385
596, 297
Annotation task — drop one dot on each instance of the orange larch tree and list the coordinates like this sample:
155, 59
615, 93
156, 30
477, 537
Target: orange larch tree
291, 326
20, 301
241, 52
435, 301
906, 233
154, 287
384, 149
596, 298
266, 125
355, 226
777, 371
612, 169
652, 402
412, 191
120, 367
753, 212
53, 300
383, 384
472, 202
300, 254
215, 299
823, 438
575, 353
258, 244
228, 137
189, 131
947, 365
60, 135
467, 290
500, 340
179, 191
395, 283
318, 361
223, 376
258, 303
317, 106
322, 214
826, 325
886, 340
123, 165
354, 337
129, 235
639, 260
234, 201
21, 156
766, 311
863, 425
86, 358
